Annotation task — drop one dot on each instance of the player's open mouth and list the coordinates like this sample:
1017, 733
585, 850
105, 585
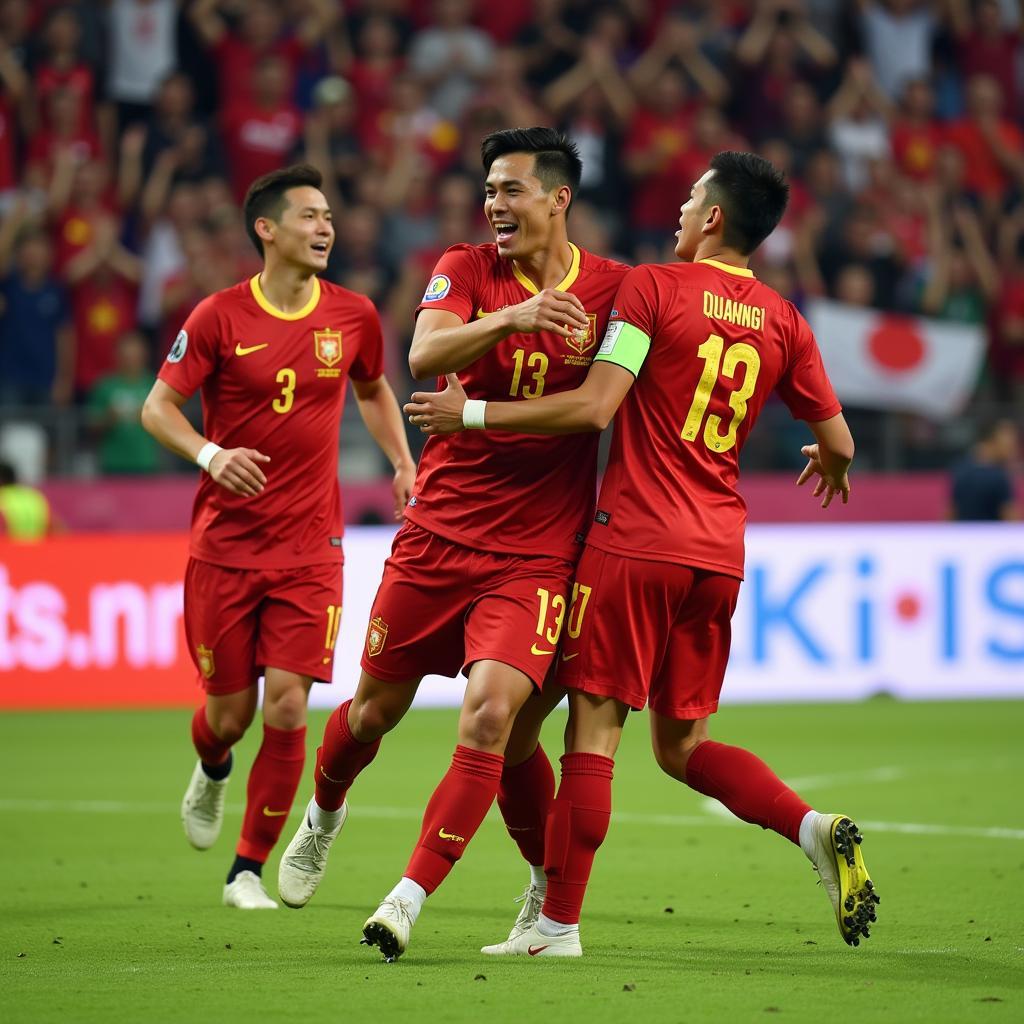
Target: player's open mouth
504, 230
320, 247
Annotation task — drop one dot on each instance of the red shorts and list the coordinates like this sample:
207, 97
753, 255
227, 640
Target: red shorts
644, 631
239, 621
441, 606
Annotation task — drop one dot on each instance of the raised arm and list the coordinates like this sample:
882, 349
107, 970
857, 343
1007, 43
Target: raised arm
379, 410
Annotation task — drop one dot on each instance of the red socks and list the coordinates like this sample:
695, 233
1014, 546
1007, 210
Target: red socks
210, 748
576, 828
273, 782
341, 758
747, 786
524, 799
454, 813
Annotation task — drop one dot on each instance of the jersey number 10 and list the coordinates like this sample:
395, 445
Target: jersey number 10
711, 353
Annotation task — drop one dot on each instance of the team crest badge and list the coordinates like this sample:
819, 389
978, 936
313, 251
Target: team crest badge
376, 636
582, 341
327, 345
204, 657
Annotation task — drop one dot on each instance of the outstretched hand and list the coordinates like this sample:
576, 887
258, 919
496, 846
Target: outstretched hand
828, 485
438, 412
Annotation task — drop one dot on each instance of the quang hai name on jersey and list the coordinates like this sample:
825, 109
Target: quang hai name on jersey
718, 307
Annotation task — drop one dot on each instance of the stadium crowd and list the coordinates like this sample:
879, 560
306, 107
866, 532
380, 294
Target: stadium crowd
129, 130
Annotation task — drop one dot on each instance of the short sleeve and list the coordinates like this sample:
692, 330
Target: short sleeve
455, 283
369, 361
631, 323
193, 355
804, 385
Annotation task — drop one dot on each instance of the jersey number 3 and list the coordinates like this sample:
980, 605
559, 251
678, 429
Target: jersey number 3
711, 353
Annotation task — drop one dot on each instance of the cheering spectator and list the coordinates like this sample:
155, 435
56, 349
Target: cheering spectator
898, 41
141, 52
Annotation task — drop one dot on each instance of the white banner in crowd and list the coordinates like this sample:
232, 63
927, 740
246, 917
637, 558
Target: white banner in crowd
888, 361
826, 613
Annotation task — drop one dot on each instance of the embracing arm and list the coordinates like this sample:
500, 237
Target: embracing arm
379, 410
590, 407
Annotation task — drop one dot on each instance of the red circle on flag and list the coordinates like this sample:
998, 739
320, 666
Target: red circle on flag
896, 344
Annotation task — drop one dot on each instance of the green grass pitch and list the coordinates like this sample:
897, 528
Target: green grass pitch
107, 915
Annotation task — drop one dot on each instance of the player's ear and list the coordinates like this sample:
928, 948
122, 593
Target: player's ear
561, 200
712, 220
264, 228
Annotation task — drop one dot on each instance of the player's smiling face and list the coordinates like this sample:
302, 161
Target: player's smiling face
692, 217
518, 207
304, 235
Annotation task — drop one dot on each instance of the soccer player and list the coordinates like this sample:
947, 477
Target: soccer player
480, 573
263, 583
690, 356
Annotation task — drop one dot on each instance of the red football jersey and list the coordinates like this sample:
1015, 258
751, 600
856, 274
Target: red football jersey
275, 382
513, 492
708, 343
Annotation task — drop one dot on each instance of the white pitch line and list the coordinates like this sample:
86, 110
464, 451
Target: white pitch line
413, 814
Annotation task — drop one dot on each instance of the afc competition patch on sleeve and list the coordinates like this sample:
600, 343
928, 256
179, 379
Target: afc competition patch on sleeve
611, 336
177, 352
437, 289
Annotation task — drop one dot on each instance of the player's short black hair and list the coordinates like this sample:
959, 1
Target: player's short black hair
265, 197
7, 474
556, 159
752, 194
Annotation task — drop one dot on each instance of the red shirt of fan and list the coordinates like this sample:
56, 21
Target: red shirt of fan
720, 343
514, 493
275, 382
258, 141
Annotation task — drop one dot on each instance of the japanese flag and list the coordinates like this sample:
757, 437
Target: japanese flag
889, 361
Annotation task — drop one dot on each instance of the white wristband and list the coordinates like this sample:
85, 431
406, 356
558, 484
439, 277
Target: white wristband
473, 414
206, 454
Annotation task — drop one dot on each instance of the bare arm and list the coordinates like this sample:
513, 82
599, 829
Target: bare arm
442, 343
235, 469
379, 410
829, 459
590, 407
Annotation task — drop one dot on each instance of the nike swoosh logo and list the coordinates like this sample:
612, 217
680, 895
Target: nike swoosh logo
481, 313
272, 814
240, 351
539, 650
449, 835
569, 657
534, 950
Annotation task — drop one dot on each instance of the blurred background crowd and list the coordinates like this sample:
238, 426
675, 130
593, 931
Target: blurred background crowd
129, 130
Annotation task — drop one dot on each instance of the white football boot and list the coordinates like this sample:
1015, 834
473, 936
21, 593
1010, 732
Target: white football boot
532, 900
389, 927
532, 943
246, 892
202, 808
304, 860
833, 847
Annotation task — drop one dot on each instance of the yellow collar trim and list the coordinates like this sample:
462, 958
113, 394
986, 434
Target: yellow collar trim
563, 285
268, 307
729, 268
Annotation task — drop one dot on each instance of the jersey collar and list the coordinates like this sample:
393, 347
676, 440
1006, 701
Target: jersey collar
265, 304
563, 285
729, 268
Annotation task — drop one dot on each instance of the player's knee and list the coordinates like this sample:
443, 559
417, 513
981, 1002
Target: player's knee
673, 757
486, 725
286, 710
230, 725
371, 719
